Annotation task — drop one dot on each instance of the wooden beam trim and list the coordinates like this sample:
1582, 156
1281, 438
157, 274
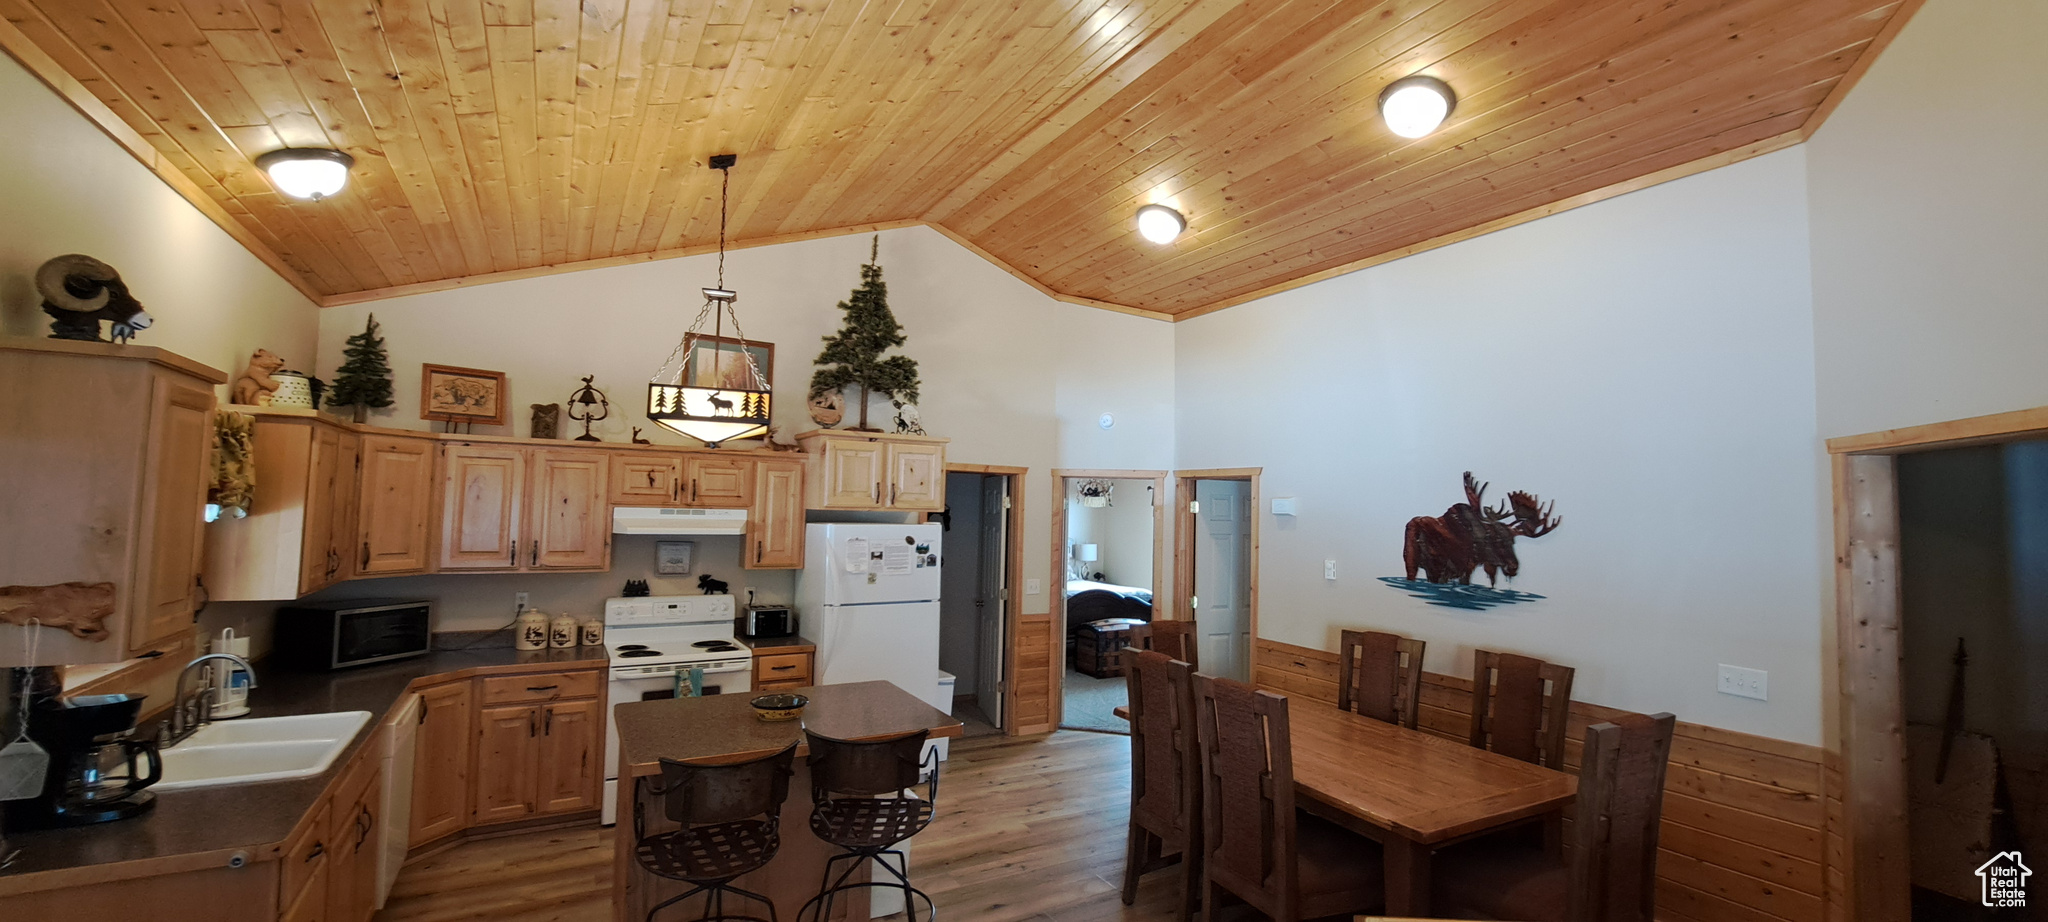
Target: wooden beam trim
1878, 43
45, 68
1951, 434
1703, 164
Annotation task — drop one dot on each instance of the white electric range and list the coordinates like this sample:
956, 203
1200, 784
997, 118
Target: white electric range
653, 642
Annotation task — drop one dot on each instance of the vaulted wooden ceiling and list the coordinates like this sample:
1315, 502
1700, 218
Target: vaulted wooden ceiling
499, 138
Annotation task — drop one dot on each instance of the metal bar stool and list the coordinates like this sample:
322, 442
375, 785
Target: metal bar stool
864, 802
730, 817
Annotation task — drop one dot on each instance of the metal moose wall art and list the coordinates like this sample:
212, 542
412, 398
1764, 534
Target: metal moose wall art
1470, 536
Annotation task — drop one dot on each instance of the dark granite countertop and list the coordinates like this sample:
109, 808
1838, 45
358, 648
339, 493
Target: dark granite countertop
203, 827
790, 644
725, 725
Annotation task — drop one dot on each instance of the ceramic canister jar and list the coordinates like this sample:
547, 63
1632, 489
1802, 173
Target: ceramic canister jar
531, 630
564, 632
593, 633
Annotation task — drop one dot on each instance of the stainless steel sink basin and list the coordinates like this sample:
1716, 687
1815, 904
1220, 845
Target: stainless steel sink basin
263, 749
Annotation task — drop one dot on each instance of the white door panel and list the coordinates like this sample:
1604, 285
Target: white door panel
992, 595
1222, 567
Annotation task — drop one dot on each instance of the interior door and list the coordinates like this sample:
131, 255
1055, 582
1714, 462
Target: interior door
992, 595
1222, 571
482, 490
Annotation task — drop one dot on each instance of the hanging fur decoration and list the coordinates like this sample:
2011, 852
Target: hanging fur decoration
233, 487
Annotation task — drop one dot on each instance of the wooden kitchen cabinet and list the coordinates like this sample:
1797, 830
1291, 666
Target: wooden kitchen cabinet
569, 525
871, 470
718, 483
441, 763
775, 525
540, 755
300, 535
352, 842
775, 672
394, 507
643, 478
483, 489
104, 451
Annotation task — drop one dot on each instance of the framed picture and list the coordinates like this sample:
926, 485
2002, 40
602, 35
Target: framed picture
715, 361
672, 558
463, 395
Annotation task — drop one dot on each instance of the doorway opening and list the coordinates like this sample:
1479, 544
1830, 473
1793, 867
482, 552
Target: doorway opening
1108, 534
980, 592
1217, 556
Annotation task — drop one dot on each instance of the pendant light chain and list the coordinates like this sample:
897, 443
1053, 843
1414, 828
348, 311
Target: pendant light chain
662, 375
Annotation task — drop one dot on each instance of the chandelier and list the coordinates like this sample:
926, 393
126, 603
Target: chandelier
710, 389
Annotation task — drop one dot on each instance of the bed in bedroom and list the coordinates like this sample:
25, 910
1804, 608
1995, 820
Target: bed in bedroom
1088, 600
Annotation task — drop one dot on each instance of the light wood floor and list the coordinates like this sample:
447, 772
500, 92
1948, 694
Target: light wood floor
1030, 829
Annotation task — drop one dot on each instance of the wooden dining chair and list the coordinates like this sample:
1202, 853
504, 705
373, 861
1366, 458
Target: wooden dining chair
1611, 875
1176, 639
1288, 866
1379, 675
1520, 706
1166, 784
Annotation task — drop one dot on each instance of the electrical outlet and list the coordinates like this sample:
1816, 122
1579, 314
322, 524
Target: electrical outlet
1744, 683
1032, 587
521, 598
1329, 569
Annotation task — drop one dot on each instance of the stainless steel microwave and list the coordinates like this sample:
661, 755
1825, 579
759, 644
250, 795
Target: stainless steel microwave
337, 635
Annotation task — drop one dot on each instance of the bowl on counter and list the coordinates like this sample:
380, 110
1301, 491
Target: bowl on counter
780, 706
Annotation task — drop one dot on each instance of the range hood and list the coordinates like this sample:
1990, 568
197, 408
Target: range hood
656, 520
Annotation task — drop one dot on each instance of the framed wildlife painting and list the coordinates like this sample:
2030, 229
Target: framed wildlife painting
721, 361
462, 395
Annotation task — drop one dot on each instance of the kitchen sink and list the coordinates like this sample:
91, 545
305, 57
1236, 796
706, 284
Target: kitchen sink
263, 749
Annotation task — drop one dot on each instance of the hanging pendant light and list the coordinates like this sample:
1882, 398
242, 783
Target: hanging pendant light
710, 389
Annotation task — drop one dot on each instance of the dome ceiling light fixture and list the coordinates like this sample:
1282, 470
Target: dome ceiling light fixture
307, 172
1160, 224
1415, 105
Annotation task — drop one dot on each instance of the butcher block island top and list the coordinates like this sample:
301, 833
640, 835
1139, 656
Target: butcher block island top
724, 728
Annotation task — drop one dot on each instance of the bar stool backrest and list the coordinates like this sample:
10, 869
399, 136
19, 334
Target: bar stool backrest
866, 768
696, 794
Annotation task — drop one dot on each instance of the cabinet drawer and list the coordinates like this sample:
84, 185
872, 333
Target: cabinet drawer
776, 686
782, 666
540, 686
304, 861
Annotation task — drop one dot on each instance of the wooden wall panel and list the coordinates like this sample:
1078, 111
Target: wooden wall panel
1032, 707
1744, 834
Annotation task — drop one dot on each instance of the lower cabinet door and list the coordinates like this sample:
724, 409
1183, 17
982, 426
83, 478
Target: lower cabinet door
311, 904
440, 774
571, 734
507, 740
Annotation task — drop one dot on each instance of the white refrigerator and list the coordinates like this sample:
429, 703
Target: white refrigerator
869, 598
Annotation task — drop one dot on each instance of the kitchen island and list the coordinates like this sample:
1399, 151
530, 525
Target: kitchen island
723, 727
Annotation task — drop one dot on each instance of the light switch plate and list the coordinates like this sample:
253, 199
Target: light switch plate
1329, 569
1283, 505
1744, 683
1033, 587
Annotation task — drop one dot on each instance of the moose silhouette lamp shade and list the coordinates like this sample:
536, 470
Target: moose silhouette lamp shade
713, 388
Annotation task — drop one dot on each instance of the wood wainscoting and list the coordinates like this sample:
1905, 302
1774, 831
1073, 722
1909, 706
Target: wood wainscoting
1034, 685
1743, 837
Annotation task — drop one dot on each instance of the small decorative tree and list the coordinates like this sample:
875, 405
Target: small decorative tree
854, 354
364, 378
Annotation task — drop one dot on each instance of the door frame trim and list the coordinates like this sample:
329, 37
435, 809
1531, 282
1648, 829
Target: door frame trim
1184, 545
1867, 691
1056, 594
1013, 566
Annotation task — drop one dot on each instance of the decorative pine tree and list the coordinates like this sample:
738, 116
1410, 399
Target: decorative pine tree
364, 378
854, 354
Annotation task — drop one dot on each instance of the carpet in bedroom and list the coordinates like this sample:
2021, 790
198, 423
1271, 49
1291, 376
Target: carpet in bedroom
1091, 704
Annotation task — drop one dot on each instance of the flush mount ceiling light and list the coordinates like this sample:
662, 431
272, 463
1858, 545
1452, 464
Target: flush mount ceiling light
710, 389
1160, 224
1414, 106
307, 172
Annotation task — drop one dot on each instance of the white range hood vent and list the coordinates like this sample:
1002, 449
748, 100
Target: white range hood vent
656, 520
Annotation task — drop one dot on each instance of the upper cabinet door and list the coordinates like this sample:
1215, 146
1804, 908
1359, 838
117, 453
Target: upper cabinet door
722, 483
916, 476
319, 557
569, 520
482, 495
341, 525
646, 479
775, 527
173, 510
395, 505
853, 475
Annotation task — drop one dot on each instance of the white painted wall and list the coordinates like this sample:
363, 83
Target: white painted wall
1928, 196
65, 187
1646, 362
1121, 532
1009, 374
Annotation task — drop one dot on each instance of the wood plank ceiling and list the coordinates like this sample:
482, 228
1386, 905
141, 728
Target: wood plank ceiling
497, 138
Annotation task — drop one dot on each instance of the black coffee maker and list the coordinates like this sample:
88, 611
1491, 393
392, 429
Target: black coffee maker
98, 769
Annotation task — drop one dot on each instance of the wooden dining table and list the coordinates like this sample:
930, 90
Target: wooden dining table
1413, 792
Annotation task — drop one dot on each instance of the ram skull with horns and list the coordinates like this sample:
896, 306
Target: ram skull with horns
80, 291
